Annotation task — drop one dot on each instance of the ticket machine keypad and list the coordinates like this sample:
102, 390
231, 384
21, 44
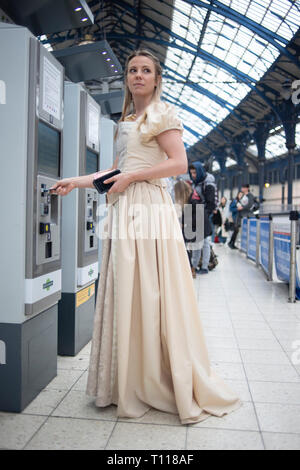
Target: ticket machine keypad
48, 222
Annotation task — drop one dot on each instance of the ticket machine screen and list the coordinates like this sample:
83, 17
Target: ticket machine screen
48, 150
91, 165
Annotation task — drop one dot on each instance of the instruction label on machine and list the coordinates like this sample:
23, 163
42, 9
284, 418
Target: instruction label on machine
244, 236
85, 294
251, 250
93, 124
51, 89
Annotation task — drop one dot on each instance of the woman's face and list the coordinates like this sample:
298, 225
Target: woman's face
223, 201
141, 78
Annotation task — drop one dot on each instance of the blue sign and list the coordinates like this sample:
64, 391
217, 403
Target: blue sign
251, 251
282, 256
244, 237
264, 243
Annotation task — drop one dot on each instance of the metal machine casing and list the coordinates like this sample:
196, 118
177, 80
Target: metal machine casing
79, 243
79, 209
34, 257
31, 135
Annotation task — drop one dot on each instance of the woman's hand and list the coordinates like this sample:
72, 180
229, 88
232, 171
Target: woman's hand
121, 182
63, 187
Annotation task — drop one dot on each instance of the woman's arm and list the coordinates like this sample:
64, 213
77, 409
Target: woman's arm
66, 185
171, 143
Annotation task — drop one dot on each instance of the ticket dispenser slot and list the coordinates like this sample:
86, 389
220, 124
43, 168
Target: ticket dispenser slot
54, 209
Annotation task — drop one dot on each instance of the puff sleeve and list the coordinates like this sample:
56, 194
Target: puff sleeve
161, 116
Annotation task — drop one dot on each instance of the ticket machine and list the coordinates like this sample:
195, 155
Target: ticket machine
31, 128
79, 216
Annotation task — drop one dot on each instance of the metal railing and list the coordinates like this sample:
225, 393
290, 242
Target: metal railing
271, 241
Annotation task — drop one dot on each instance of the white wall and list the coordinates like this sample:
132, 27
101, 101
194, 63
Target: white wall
272, 195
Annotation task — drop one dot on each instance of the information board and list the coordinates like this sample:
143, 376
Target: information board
264, 243
244, 237
251, 249
282, 257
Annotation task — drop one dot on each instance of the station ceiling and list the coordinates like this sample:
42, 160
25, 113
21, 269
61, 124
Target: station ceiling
224, 61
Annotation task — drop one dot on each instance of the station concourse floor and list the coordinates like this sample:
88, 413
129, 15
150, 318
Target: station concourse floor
250, 330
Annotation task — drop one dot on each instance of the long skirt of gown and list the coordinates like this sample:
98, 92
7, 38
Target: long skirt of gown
148, 347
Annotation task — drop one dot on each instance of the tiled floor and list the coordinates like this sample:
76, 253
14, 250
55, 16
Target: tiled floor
253, 336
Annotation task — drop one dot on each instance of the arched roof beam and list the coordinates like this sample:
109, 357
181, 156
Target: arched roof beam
219, 63
221, 9
195, 50
269, 36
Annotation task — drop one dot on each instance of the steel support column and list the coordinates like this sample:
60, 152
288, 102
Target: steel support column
221, 159
288, 114
260, 137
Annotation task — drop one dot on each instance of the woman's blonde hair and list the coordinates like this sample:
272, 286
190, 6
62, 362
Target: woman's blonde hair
182, 191
128, 103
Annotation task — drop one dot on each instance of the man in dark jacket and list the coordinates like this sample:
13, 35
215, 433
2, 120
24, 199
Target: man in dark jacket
244, 207
203, 193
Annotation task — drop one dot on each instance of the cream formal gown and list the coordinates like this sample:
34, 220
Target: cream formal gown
148, 347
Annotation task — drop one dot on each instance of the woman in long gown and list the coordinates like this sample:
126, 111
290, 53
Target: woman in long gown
148, 346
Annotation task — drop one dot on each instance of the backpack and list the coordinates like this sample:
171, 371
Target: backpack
200, 191
206, 183
200, 188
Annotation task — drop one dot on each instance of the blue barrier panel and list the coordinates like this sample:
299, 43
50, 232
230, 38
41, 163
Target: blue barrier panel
264, 243
251, 251
244, 236
282, 255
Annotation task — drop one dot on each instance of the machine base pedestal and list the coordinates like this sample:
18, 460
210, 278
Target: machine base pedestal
28, 359
75, 324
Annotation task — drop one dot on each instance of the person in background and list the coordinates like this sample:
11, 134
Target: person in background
214, 217
233, 206
244, 208
225, 215
182, 194
203, 193
216, 220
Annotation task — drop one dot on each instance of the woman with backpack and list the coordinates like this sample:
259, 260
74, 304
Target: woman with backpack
204, 194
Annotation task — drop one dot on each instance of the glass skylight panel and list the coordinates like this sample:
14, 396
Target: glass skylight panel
286, 24
194, 122
253, 150
230, 162
271, 21
275, 145
239, 6
233, 43
189, 138
256, 11
215, 166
